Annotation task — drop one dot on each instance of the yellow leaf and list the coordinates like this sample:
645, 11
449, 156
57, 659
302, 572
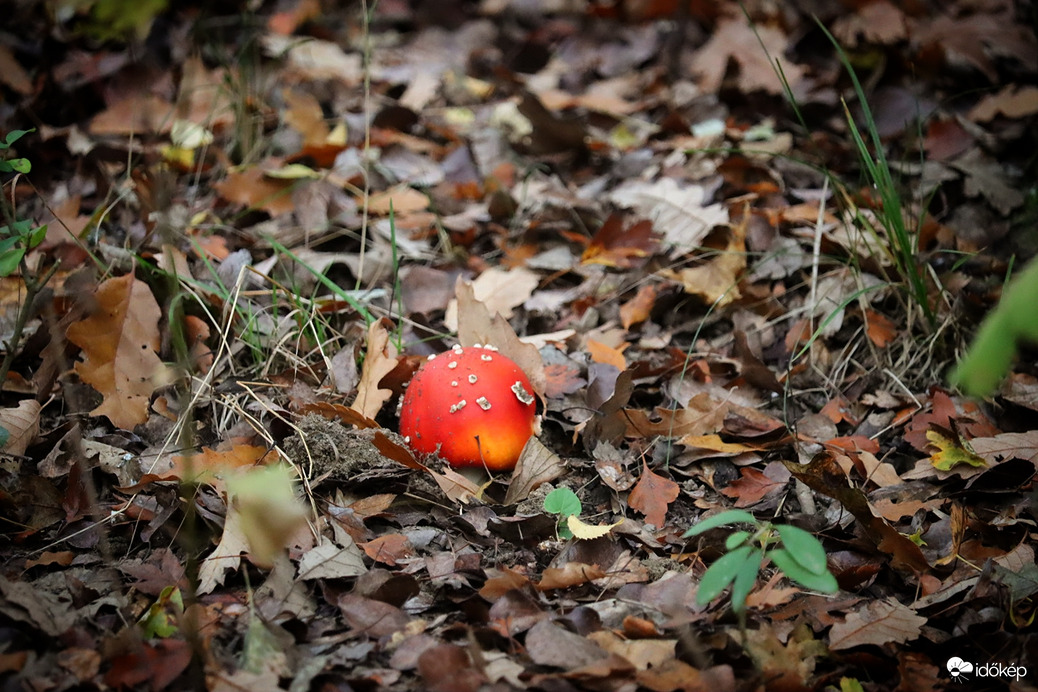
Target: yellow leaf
588, 531
951, 452
265, 498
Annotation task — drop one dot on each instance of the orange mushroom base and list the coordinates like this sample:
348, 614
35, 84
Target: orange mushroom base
471, 406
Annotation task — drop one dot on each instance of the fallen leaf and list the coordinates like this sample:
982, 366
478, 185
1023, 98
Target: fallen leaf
120, 341
753, 486
879, 622
716, 281
752, 48
639, 308
402, 199
602, 353
380, 359
613, 245
389, 549
951, 450
251, 188
588, 532
652, 495
569, 575
823, 474
537, 465
326, 560
22, 424
681, 211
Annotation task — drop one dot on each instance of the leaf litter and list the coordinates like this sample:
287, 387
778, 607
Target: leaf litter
201, 481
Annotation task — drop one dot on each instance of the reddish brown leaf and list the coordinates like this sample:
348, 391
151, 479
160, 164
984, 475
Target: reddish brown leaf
613, 245
651, 496
389, 549
753, 486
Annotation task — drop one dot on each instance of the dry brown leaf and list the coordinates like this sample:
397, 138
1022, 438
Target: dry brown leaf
477, 325
499, 291
537, 465
639, 308
570, 574
717, 281
403, 199
455, 486
211, 466
652, 495
753, 486
613, 245
120, 343
23, 425
253, 189
379, 360
389, 549
135, 115
13, 74
879, 623
1013, 102
752, 48
701, 416
602, 353
227, 556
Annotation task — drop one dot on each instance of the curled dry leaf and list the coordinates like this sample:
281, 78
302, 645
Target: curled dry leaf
22, 424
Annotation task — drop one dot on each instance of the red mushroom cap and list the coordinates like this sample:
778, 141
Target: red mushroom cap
472, 406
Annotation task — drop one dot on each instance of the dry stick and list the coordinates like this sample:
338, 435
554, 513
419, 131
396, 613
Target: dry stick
803, 493
367, 141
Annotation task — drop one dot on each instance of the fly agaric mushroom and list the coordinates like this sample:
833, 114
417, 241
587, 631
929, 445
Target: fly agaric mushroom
472, 406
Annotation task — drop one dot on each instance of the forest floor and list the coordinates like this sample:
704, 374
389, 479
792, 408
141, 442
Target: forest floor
738, 249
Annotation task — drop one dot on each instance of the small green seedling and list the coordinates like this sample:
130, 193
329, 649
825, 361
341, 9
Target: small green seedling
564, 503
18, 235
800, 557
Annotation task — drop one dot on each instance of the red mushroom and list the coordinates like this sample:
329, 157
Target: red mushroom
472, 406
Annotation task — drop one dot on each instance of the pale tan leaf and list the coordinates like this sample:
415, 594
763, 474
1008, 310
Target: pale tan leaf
878, 622
23, 424
328, 561
478, 325
227, 556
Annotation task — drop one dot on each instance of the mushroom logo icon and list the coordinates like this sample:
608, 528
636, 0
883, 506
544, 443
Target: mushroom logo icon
958, 668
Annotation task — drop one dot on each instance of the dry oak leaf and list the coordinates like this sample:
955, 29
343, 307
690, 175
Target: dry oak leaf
380, 360
651, 496
878, 622
120, 343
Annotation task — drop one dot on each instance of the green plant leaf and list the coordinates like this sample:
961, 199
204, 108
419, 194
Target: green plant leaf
19, 165
736, 539
13, 136
825, 583
5, 435
9, 260
732, 516
991, 354
563, 502
803, 547
37, 236
745, 578
720, 574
